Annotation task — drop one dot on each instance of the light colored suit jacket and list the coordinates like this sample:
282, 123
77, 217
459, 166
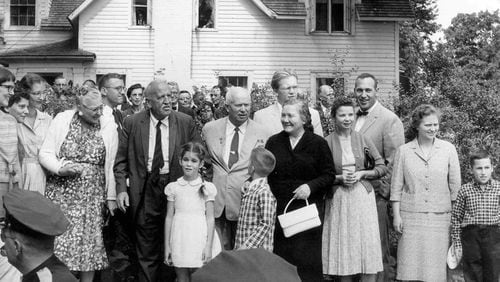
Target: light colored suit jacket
271, 118
386, 131
230, 180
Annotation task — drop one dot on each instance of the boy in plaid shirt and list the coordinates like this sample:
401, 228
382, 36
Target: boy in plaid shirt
258, 204
476, 222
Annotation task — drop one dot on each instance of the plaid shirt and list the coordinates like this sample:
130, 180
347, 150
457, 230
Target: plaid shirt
475, 206
257, 216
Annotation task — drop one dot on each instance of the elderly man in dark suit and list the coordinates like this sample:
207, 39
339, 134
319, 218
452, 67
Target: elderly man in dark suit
386, 131
148, 156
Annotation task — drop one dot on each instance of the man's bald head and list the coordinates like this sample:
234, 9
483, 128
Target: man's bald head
159, 99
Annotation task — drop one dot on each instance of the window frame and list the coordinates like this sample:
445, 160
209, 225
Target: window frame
315, 76
133, 16
9, 8
196, 15
348, 27
236, 73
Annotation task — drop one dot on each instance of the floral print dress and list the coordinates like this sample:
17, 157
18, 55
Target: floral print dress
82, 199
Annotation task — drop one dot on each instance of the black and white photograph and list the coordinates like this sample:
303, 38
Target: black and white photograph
249, 140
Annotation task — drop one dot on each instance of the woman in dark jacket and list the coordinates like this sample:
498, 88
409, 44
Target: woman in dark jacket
304, 170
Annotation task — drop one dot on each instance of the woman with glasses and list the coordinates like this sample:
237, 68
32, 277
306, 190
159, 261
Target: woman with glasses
9, 159
31, 133
80, 153
9, 162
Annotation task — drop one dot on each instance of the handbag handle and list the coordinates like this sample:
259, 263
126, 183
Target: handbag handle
307, 204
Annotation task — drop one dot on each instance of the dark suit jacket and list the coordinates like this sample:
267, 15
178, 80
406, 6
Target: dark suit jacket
132, 156
310, 162
187, 111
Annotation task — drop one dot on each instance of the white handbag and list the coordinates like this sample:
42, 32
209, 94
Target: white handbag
299, 220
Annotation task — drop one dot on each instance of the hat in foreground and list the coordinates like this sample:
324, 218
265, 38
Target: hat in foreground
247, 265
33, 211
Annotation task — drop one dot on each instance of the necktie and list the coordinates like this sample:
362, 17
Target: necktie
158, 161
233, 153
361, 113
118, 118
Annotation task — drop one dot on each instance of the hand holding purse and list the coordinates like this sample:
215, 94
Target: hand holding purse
299, 220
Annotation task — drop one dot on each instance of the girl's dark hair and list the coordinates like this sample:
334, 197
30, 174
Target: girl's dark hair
304, 112
418, 114
199, 149
6, 75
134, 87
342, 101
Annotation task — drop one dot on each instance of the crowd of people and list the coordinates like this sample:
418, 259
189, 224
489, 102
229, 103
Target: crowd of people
153, 182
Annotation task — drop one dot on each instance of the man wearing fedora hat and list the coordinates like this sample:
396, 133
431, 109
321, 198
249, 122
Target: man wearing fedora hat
31, 224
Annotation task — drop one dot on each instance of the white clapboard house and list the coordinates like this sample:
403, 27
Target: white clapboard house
200, 41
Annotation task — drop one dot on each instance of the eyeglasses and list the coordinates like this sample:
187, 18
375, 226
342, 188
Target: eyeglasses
9, 88
94, 110
60, 84
119, 88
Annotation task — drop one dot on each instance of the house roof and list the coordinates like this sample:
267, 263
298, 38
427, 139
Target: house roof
282, 9
384, 10
58, 14
286, 7
62, 50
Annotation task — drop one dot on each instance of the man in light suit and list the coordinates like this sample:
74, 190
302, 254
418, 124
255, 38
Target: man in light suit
230, 141
386, 131
150, 168
284, 84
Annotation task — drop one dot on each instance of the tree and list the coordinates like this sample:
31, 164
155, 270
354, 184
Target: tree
462, 77
414, 36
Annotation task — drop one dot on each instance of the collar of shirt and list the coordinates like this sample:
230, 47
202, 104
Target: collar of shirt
251, 186
280, 107
184, 182
230, 128
324, 109
155, 121
484, 187
107, 110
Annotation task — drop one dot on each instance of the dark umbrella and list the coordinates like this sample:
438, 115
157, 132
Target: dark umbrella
247, 265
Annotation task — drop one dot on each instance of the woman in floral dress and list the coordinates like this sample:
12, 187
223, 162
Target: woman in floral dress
80, 153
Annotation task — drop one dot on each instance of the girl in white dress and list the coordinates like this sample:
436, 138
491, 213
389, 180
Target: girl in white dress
190, 240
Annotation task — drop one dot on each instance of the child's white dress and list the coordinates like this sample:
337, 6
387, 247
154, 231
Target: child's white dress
189, 226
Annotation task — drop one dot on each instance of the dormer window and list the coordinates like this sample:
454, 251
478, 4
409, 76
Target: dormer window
331, 16
22, 12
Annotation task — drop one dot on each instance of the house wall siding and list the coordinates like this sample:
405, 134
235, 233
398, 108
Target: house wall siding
248, 40
106, 30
